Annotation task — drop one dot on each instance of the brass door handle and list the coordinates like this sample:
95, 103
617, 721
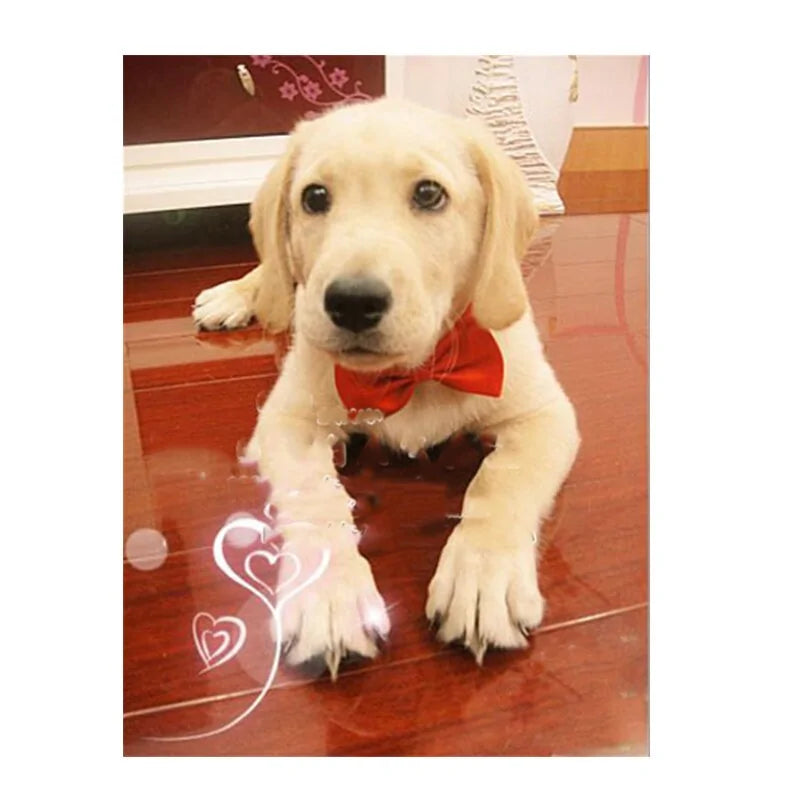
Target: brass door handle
246, 79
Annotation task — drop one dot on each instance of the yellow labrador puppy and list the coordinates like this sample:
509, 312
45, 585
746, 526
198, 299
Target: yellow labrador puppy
390, 239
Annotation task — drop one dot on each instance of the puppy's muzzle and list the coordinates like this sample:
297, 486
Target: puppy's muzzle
357, 304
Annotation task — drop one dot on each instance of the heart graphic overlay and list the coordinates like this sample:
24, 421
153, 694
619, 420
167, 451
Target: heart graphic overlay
212, 650
217, 640
287, 572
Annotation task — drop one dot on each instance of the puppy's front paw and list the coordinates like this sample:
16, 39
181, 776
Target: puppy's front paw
226, 305
341, 613
484, 595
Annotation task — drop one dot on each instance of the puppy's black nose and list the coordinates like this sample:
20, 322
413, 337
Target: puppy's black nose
357, 304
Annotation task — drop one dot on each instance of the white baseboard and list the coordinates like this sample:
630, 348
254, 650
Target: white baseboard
196, 174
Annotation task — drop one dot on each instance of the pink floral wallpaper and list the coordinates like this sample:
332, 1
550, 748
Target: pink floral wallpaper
314, 81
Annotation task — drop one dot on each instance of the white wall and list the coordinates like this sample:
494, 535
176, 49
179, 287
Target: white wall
441, 82
608, 87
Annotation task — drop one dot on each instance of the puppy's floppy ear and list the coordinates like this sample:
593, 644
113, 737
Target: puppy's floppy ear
511, 220
269, 227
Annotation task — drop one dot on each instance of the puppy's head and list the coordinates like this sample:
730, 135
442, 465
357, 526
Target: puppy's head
381, 224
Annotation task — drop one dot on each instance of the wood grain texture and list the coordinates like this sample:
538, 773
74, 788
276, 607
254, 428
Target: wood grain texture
606, 170
190, 400
578, 690
607, 148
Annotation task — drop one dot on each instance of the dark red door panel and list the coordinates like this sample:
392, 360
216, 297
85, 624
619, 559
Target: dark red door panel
179, 98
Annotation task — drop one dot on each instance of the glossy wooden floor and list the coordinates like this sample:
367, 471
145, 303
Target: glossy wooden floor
191, 399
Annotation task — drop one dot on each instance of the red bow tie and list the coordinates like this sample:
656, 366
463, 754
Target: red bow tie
466, 358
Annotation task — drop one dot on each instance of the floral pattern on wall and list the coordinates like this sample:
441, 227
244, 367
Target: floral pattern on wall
318, 83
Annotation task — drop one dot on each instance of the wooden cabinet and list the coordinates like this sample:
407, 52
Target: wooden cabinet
189, 98
203, 131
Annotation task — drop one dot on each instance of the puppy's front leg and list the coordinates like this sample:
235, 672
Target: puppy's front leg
485, 590
342, 612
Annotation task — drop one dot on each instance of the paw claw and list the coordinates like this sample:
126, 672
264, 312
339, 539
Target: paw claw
332, 660
484, 598
478, 648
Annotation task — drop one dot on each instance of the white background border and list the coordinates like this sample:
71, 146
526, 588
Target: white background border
724, 442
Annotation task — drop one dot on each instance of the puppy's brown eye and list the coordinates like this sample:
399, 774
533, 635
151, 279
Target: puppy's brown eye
316, 199
429, 196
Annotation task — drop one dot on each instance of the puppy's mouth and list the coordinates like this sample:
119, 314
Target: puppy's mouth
364, 353
368, 359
